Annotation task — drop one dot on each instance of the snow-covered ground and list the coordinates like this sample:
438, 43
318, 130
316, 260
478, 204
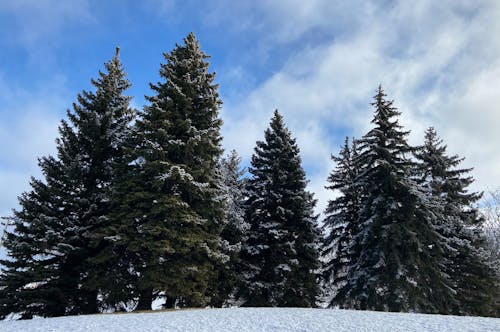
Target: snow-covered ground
255, 319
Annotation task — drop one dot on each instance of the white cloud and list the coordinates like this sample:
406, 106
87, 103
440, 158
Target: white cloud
164, 8
28, 128
438, 60
286, 21
39, 25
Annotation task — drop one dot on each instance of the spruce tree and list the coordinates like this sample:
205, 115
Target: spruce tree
233, 231
27, 283
458, 221
397, 251
341, 216
168, 206
50, 244
280, 255
491, 213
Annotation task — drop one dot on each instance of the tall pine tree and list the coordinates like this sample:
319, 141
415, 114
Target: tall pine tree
280, 256
341, 217
233, 231
168, 206
50, 244
458, 221
398, 252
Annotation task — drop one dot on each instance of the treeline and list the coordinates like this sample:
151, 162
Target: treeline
142, 205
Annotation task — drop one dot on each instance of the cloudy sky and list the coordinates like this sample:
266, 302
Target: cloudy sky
319, 62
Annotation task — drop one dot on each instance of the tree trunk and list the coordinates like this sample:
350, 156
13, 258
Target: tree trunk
169, 302
90, 303
145, 299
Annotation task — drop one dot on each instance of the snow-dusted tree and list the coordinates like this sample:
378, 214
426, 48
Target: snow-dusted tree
280, 255
341, 217
491, 229
168, 205
234, 191
234, 229
396, 249
491, 226
50, 243
459, 222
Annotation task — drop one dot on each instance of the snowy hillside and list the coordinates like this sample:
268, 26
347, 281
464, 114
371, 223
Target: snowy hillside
255, 319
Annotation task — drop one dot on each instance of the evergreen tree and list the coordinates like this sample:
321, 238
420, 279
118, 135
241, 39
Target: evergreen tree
341, 216
234, 229
491, 213
168, 203
280, 256
459, 222
50, 243
398, 253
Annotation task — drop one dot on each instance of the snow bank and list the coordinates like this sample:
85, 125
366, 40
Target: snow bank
255, 319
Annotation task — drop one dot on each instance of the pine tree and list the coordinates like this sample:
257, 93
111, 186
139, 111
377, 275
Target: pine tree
341, 216
280, 256
234, 190
27, 283
168, 203
234, 229
459, 222
398, 253
491, 213
50, 243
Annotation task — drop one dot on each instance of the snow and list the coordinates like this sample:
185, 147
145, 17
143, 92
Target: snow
255, 319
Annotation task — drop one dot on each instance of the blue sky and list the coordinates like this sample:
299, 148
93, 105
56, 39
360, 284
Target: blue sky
317, 61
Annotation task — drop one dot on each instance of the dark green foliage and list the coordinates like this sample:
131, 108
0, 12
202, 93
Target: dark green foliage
25, 286
397, 265
280, 256
167, 203
50, 244
125, 215
459, 222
